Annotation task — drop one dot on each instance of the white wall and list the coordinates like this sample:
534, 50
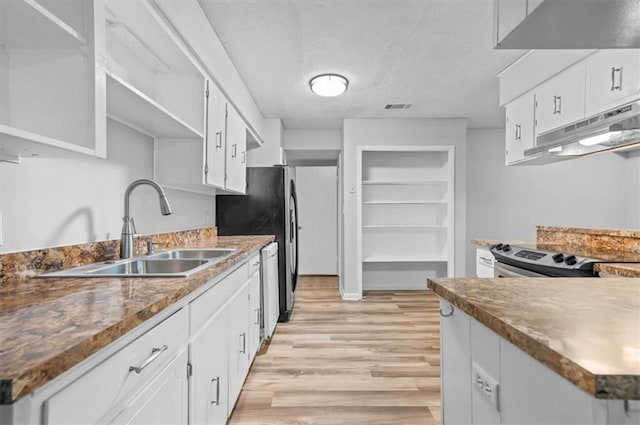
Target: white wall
270, 153
601, 191
372, 132
317, 192
52, 202
313, 139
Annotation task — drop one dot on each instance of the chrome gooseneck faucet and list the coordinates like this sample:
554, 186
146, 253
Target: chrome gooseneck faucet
128, 225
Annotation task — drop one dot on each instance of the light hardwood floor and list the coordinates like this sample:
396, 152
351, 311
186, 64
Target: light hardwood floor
375, 361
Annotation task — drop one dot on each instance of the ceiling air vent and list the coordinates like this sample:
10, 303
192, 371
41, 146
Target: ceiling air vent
397, 106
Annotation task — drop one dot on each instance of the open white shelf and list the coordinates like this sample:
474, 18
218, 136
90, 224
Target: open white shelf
404, 202
30, 24
403, 226
405, 215
24, 144
390, 259
404, 182
130, 106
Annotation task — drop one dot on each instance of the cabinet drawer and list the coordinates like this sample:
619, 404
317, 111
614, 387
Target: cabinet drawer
100, 393
208, 303
254, 264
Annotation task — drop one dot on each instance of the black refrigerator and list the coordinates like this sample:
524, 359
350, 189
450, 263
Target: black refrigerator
268, 208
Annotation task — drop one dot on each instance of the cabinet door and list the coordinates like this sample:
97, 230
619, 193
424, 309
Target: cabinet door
208, 354
613, 78
236, 152
215, 167
238, 343
456, 365
164, 401
560, 101
254, 314
519, 132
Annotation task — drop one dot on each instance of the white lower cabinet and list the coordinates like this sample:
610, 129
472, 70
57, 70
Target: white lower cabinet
455, 365
164, 401
488, 380
208, 357
187, 367
238, 343
484, 263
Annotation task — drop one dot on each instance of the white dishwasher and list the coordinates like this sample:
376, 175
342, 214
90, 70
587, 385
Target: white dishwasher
270, 289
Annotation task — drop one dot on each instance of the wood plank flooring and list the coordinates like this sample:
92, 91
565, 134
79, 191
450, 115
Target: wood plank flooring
374, 362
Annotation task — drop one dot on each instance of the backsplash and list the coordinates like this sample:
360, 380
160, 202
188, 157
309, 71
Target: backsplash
625, 242
19, 266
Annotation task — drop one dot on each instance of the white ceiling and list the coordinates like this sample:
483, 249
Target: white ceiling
434, 54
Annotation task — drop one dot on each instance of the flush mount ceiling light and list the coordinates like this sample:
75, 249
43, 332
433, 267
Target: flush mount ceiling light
328, 85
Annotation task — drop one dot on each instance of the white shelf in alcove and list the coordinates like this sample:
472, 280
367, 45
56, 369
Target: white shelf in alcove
403, 260
404, 182
25, 144
34, 26
404, 202
130, 106
401, 226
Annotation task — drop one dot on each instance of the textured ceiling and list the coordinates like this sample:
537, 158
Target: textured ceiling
435, 55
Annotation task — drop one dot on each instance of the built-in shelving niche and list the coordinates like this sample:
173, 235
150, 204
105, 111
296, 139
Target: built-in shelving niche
405, 197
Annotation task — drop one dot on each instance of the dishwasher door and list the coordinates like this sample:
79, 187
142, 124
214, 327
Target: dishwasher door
270, 289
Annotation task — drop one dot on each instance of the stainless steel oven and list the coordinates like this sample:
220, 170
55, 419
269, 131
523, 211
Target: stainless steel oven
505, 270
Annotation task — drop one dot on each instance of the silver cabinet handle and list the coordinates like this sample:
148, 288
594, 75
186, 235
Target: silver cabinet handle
518, 132
234, 152
218, 139
216, 402
257, 322
615, 70
256, 264
155, 352
449, 314
557, 104
244, 157
244, 343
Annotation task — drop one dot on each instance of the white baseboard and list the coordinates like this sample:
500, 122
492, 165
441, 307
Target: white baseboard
350, 296
400, 286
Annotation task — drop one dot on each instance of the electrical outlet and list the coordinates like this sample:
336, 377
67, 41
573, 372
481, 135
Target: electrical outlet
485, 385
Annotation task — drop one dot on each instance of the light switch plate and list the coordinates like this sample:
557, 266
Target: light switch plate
485, 385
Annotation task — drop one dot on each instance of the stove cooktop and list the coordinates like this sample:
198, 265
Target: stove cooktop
550, 262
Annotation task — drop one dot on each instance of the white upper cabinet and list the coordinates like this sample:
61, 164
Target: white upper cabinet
52, 97
519, 129
236, 152
560, 101
215, 168
613, 78
509, 14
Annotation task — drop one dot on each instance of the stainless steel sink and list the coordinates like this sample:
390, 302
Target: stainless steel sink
174, 263
148, 267
207, 254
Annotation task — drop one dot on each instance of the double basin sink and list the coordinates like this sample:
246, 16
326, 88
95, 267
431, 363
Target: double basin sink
173, 263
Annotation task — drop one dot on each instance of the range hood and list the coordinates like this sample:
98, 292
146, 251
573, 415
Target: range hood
579, 24
615, 130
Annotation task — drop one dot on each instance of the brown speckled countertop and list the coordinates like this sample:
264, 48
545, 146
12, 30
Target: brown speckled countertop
619, 269
585, 329
49, 325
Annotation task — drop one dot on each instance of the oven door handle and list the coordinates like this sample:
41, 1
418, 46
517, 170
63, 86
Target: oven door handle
506, 270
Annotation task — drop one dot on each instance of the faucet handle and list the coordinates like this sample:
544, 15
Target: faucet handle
151, 244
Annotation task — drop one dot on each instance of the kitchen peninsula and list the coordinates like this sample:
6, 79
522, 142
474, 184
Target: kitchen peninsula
542, 351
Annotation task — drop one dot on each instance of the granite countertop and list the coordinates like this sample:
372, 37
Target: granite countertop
585, 329
619, 269
49, 325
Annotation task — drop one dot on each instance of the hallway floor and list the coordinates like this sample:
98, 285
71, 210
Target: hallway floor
374, 362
